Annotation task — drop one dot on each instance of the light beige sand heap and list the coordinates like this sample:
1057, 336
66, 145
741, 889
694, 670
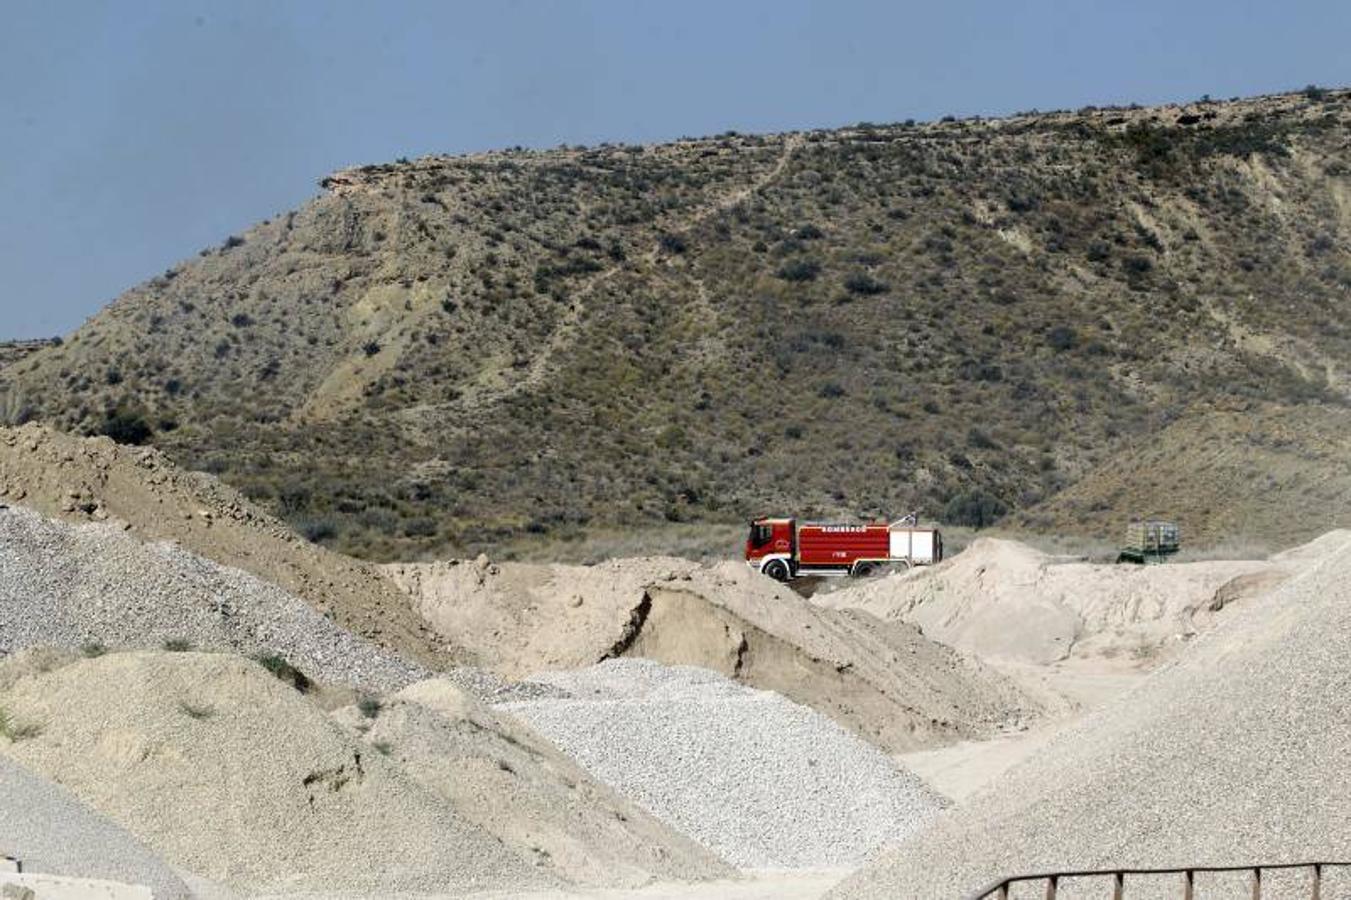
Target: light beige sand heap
1004, 601
883, 681
94, 479
1236, 753
518, 787
232, 775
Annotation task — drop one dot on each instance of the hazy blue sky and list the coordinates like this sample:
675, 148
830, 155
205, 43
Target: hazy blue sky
133, 134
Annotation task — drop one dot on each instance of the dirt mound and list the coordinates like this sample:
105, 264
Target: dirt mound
1004, 601
518, 787
232, 775
764, 782
51, 832
94, 479
884, 681
1235, 753
96, 585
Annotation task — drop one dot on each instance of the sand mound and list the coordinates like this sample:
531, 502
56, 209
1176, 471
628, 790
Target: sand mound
1236, 753
51, 832
72, 585
94, 479
232, 775
1004, 601
764, 782
518, 787
884, 681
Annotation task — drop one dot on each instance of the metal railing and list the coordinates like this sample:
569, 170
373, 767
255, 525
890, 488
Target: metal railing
999, 890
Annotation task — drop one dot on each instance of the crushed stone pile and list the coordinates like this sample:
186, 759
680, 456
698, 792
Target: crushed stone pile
230, 774
1236, 753
84, 480
761, 781
884, 681
518, 787
72, 585
1004, 601
51, 832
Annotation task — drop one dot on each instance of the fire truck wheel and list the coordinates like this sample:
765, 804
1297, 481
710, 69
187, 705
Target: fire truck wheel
863, 570
776, 569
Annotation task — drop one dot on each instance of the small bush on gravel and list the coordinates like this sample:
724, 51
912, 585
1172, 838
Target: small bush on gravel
194, 711
93, 649
369, 706
282, 669
15, 730
177, 645
385, 748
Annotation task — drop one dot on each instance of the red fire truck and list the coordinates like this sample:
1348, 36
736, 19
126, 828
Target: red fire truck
785, 548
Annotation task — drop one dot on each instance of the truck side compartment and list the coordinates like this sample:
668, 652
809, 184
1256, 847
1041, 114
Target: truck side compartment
783, 549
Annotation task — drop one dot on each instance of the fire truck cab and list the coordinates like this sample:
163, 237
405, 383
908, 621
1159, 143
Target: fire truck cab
783, 548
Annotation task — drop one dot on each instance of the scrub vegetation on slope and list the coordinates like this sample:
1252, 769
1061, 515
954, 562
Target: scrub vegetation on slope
965, 315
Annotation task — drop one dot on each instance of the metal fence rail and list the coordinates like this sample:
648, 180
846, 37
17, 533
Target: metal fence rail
999, 890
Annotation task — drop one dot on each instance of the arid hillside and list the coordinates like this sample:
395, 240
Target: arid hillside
1251, 477
965, 317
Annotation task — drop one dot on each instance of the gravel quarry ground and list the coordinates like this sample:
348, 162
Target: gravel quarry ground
79, 585
709, 719
1236, 753
755, 885
763, 782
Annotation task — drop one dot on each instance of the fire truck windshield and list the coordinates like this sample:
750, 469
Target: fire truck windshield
760, 535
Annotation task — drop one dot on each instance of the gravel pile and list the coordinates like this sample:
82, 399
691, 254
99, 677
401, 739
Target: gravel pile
490, 688
53, 833
93, 480
1238, 753
761, 781
72, 585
